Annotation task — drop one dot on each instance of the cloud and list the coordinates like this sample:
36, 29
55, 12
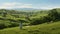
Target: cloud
48, 6
14, 5
25, 6
9, 5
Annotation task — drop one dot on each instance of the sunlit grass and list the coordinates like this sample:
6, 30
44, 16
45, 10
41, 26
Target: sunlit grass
52, 28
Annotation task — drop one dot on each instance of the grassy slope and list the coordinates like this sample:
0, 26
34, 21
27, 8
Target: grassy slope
52, 28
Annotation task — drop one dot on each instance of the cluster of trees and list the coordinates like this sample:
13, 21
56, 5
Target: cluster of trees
53, 15
12, 18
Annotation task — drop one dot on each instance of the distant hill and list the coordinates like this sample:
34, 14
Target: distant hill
27, 9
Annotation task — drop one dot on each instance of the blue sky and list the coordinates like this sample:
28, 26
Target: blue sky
37, 4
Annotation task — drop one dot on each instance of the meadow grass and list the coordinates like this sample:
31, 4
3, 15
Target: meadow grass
52, 28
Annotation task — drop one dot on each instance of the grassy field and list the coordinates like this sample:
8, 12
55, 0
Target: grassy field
52, 28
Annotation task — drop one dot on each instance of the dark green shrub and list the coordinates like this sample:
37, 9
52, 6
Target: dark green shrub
37, 21
2, 25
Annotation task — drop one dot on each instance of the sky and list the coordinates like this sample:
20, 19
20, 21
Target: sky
36, 4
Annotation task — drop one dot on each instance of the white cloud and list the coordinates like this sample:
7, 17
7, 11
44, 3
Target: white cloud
51, 7
14, 5
48, 7
23, 5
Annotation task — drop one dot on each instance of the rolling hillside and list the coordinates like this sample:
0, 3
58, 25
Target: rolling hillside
52, 28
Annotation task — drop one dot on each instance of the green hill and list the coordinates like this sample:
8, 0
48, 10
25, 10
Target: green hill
52, 28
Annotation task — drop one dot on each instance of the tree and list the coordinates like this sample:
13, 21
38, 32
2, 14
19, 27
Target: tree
21, 23
53, 14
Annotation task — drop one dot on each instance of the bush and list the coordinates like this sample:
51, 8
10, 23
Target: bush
2, 25
13, 24
37, 21
8, 25
41, 20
